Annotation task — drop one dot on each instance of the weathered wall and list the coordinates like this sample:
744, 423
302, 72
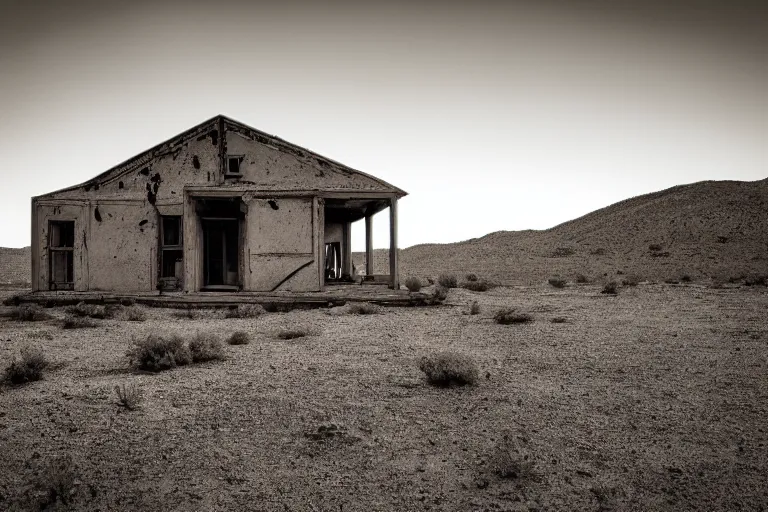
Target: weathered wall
334, 232
122, 255
281, 249
270, 168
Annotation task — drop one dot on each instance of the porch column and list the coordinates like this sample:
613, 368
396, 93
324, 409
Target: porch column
393, 273
346, 250
369, 245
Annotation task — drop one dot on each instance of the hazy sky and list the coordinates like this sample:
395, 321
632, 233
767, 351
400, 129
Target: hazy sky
493, 116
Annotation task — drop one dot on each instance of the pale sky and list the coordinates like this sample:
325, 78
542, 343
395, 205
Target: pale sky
492, 115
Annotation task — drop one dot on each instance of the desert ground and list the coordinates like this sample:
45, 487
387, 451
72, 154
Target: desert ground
652, 399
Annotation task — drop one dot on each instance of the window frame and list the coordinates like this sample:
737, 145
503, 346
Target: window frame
228, 173
163, 248
68, 250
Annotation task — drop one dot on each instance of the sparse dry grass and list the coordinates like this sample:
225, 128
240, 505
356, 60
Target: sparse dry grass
129, 396
205, 346
508, 316
79, 322
449, 368
27, 367
239, 338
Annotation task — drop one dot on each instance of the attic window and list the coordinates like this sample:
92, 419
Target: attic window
233, 165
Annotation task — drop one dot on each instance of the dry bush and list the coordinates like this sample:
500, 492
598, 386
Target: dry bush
508, 316
30, 313
206, 347
447, 368
631, 280
187, 314
512, 459
127, 301
559, 320
685, 278
87, 310
471, 277
581, 279
134, 314
476, 286
239, 338
28, 367
597, 252
79, 322
58, 482
157, 353
756, 280
362, 308
129, 396
611, 288
293, 333
654, 247
562, 252
413, 284
278, 307
447, 281
245, 311
439, 294
557, 282
474, 309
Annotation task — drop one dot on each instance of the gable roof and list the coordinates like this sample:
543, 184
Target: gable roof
227, 124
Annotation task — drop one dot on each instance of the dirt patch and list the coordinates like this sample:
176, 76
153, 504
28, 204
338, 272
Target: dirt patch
651, 400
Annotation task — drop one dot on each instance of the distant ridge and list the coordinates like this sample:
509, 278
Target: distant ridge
14, 266
713, 230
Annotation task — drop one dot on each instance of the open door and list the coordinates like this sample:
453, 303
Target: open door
221, 228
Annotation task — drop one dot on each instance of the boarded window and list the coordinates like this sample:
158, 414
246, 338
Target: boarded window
61, 246
171, 249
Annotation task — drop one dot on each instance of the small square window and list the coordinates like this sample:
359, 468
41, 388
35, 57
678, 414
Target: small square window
233, 164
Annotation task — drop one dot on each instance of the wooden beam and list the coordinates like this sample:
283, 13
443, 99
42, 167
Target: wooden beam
393, 272
369, 245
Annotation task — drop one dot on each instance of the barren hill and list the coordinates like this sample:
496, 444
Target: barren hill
708, 230
14, 265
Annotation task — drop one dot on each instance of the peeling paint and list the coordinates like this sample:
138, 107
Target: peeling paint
273, 204
143, 222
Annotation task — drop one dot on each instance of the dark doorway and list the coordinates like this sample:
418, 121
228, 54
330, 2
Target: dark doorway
221, 223
332, 261
61, 247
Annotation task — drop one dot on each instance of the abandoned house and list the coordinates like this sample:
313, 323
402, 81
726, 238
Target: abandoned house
220, 207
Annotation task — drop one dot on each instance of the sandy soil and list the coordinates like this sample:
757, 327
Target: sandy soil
654, 399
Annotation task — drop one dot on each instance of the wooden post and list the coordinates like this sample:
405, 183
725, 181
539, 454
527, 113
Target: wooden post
394, 275
35, 250
369, 245
346, 250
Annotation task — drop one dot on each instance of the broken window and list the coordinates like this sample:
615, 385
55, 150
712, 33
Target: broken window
233, 164
61, 247
171, 251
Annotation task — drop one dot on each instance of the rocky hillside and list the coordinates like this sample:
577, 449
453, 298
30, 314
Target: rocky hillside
712, 230
14, 265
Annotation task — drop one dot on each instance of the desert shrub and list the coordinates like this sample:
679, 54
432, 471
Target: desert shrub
672, 281
127, 301
581, 279
685, 278
439, 294
654, 247
58, 481
557, 282
447, 368
186, 314
291, 334
134, 314
245, 311
474, 309
722, 239
512, 459
28, 367
447, 281
157, 353
239, 338
30, 313
87, 310
113, 310
559, 320
79, 322
509, 316
476, 286
630, 280
756, 280
362, 308
278, 307
430, 281
597, 252
206, 347
129, 396
413, 284
562, 252
471, 277
663, 254
611, 288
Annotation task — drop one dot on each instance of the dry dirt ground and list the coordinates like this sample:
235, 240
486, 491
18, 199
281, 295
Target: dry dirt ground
654, 399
